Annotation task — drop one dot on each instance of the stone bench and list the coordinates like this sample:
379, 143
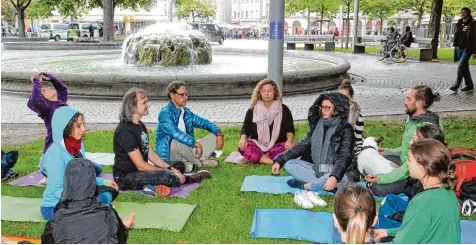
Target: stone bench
424, 48
310, 42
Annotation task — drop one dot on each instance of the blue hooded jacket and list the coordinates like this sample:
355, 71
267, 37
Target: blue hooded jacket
57, 157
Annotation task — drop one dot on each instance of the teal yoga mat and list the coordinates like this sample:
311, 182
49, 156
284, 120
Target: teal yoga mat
165, 216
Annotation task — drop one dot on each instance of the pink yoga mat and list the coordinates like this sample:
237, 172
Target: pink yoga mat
33, 179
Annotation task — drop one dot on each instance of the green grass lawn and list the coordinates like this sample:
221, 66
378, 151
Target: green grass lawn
223, 214
444, 54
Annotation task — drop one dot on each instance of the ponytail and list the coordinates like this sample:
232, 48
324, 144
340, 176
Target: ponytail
357, 227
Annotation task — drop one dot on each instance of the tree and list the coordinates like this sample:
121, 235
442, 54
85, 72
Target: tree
450, 10
303, 7
8, 12
379, 9
434, 27
348, 4
419, 7
194, 9
20, 7
325, 8
39, 9
471, 4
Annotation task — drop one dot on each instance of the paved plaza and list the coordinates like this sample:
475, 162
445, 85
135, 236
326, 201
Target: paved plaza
380, 89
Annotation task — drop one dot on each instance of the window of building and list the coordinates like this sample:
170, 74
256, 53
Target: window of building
234, 14
251, 14
246, 14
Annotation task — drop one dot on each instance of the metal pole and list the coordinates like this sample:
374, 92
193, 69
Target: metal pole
276, 41
356, 25
171, 16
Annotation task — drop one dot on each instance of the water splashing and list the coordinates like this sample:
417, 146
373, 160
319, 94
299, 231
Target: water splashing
167, 45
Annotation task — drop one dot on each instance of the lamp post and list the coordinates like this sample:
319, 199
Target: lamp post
276, 41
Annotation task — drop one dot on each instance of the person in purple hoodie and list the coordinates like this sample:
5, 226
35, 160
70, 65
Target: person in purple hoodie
45, 100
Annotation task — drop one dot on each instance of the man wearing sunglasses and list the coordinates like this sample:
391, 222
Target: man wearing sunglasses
465, 44
174, 136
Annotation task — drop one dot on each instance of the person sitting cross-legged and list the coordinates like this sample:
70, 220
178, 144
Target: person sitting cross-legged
268, 129
133, 152
175, 138
327, 150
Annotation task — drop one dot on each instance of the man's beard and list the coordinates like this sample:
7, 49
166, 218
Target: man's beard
410, 111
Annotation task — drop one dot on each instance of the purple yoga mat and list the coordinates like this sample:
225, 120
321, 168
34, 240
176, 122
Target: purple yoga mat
33, 179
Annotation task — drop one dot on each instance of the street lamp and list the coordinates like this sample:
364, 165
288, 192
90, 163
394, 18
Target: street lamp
276, 42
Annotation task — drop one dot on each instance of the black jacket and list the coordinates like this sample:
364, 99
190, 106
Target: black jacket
470, 38
342, 142
79, 217
407, 39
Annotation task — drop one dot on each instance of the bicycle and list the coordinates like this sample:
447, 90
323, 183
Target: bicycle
398, 52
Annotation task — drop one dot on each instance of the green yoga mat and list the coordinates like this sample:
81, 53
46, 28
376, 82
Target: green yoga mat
165, 216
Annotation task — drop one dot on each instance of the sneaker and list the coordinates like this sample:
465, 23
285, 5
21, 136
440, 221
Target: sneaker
210, 162
467, 89
454, 88
198, 177
301, 199
315, 199
469, 208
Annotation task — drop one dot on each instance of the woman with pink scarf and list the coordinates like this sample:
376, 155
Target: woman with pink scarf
268, 129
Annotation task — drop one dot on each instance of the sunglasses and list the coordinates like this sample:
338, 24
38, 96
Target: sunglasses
184, 95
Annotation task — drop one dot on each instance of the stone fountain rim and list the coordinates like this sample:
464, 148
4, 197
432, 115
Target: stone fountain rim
341, 66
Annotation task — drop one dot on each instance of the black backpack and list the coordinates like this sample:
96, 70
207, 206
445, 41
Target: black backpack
468, 191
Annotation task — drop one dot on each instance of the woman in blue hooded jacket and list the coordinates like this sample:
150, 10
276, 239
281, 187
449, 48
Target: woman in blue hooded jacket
67, 131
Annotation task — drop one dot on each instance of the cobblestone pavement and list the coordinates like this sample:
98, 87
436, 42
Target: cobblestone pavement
380, 89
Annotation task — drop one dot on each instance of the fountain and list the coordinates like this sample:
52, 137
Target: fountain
163, 53
172, 46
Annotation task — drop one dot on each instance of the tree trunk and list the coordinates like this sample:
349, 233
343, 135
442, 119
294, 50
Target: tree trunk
419, 18
381, 26
308, 21
443, 35
434, 28
347, 32
322, 19
108, 19
21, 21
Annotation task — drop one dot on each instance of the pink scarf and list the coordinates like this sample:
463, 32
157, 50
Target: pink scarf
264, 117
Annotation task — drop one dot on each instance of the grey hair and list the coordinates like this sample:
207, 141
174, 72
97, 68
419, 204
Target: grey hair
129, 104
174, 86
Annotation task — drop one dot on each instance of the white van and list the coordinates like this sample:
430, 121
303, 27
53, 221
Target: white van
56, 31
85, 29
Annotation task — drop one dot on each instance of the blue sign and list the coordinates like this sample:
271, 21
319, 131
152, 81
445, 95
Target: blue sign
276, 30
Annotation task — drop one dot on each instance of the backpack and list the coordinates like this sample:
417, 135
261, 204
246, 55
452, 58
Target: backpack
464, 166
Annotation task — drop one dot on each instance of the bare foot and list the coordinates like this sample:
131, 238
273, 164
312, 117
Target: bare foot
6, 241
129, 221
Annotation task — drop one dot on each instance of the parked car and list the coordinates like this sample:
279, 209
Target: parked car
54, 31
212, 31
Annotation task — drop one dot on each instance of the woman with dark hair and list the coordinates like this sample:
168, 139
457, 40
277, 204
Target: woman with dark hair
355, 116
67, 130
268, 129
327, 150
80, 217
433, 215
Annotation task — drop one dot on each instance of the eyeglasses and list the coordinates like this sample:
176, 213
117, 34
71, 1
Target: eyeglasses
326, 108
184, 95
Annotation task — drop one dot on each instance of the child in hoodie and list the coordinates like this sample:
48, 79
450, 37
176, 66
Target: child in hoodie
68, 128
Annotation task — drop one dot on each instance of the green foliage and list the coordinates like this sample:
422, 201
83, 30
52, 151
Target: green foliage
326, 8
419, 7
391, 22
302, 7
471, 4
194, 9
451, 8
8, 12
379, 9
40, 9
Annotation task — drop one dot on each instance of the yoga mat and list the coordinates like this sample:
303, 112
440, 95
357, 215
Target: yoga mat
102, 158
316, 226
165, 216
277, 185
33, 179
20, 238
294, 224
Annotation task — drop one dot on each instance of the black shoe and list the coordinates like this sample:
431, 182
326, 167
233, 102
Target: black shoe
296, 183
198, 177
467, 89
454, 88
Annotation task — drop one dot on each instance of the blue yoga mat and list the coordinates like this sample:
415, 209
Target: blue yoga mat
294, 224
276, 185
317, 226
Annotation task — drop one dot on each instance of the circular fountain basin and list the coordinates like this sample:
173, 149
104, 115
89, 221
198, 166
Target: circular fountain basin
232, 74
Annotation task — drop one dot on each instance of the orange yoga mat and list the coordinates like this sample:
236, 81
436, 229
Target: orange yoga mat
20, 238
